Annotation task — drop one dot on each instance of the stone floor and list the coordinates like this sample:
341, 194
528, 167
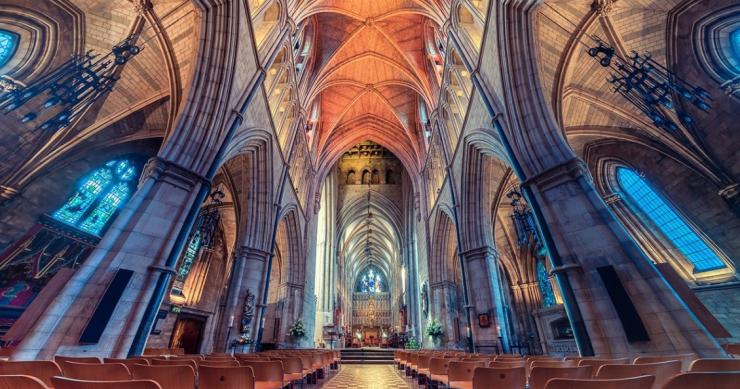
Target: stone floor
366, 377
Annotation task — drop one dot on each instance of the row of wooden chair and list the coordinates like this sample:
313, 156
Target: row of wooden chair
272, 370
456, 369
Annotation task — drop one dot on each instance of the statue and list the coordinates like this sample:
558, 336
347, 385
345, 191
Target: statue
248, 313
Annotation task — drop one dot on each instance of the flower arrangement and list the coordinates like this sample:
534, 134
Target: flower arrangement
243, 340
297, 330
434, 329
412, 344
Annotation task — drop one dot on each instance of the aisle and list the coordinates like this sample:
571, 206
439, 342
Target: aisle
366, 377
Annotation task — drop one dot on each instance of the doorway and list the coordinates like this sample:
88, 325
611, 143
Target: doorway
188, 333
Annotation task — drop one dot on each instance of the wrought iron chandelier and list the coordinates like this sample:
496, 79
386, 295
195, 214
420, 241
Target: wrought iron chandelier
209, 218
651, 87
523, 220
56, 99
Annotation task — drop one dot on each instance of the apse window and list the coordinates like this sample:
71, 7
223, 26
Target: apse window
8, 45
99, 196
640, 195
735, 44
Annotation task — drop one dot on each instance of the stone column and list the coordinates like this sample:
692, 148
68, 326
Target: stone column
247, 276
139, 240
485, 296
585, 239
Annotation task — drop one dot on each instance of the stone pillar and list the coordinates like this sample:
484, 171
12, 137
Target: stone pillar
248, 275
444, 306
140, 240
484, 292
587, 239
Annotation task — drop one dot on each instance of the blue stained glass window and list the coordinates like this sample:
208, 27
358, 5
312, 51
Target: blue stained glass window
543, 280
189, 258
682, 236
8, 44
99, 196
370, 282
735, 44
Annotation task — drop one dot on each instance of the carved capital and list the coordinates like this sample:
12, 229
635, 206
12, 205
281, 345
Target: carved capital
570, 170
603, 7
162, 170
142, 7
244, 253
480, 253
612, 198
730, 191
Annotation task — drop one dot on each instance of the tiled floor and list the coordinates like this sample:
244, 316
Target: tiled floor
366, 377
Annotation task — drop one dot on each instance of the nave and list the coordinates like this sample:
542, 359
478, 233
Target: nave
313, 192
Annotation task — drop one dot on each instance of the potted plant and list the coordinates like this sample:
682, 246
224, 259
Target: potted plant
434, 331
298, 330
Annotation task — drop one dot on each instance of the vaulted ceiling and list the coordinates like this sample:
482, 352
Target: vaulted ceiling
370, 73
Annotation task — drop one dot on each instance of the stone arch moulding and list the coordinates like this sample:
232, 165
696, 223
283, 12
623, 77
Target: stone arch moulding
713, 48
654, 244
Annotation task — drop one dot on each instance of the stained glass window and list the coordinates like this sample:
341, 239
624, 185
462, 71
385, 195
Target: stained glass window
8, 44
543, 280
371, 281
735, 44
99, 196
639, 194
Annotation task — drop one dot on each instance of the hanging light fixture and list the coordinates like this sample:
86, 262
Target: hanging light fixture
56, 99
523, 220
650, 86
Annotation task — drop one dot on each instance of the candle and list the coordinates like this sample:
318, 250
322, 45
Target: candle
231, 321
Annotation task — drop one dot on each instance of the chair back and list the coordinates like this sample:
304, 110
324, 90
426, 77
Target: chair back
43, 370
222, 362
511, 364
485, 378
685, 359
463, 371
71, 383
715, 380
423, 361
175, 362
641, 382
21, 382
226, 377
662, 371
128, 362
542, 363
539, 376
168, 377
292, 365
733, 349
714, 364
96, 371
266, 371
439, 365
597, 363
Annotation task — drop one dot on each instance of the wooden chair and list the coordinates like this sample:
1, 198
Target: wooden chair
721, 380
128, 362
485, 378
175, 362
539, 376
733, 349
168, 377
460, 374
225, 378
267, 374
685, 359
662, 371
597, 363
438, 368
292, 370
502, 364
59, 359
219, 363
542, 363
641, 382
714, 364
21, 382
43, 370
96, 371
70, 383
